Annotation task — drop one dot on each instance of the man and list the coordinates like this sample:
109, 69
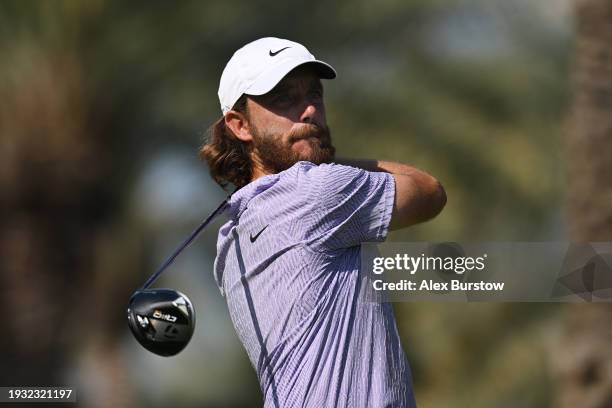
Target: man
288, 258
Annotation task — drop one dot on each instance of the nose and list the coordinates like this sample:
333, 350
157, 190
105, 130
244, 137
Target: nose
308, 114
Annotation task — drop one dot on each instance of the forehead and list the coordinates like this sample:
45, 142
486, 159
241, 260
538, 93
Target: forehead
301, 77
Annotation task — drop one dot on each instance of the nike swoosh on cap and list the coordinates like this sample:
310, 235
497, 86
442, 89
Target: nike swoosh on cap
274, 53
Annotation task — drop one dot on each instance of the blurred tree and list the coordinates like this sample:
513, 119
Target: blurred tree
60, 262
584, 358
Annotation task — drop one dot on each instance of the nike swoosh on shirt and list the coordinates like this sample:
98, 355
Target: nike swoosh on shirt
254, 238
274, 53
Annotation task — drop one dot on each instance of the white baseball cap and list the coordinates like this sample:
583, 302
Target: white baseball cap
257, 67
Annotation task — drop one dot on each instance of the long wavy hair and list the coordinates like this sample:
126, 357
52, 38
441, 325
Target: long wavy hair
227, 156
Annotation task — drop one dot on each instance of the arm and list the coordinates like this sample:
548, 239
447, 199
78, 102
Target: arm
418, 196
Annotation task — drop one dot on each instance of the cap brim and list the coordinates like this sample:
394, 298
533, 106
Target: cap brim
270, 79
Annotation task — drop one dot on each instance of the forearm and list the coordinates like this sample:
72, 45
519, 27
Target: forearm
384, 166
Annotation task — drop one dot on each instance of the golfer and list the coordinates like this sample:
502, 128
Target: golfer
288, 258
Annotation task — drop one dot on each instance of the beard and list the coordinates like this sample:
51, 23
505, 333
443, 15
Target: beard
277, 155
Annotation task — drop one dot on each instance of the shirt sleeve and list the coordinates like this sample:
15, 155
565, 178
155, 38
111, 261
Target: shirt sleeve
352, 206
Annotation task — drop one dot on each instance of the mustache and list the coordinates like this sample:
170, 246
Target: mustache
309, 130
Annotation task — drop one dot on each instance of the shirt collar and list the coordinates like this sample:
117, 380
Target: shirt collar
240, 199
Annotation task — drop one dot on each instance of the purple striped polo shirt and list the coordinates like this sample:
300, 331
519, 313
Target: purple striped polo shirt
288, 264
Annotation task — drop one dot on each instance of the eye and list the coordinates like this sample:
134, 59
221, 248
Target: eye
316, 94
282, 99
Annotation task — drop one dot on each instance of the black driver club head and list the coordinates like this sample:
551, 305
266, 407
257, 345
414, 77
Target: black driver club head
162, 320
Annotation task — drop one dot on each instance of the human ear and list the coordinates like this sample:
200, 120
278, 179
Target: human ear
239, 125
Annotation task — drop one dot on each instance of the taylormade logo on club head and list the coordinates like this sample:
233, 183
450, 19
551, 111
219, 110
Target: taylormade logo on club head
168, 317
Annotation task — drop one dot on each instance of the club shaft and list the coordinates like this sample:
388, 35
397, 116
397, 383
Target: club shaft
185, 244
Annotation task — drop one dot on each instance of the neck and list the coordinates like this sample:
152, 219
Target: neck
258, 172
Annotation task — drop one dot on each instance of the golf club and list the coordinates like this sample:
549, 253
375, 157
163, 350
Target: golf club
163, 320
